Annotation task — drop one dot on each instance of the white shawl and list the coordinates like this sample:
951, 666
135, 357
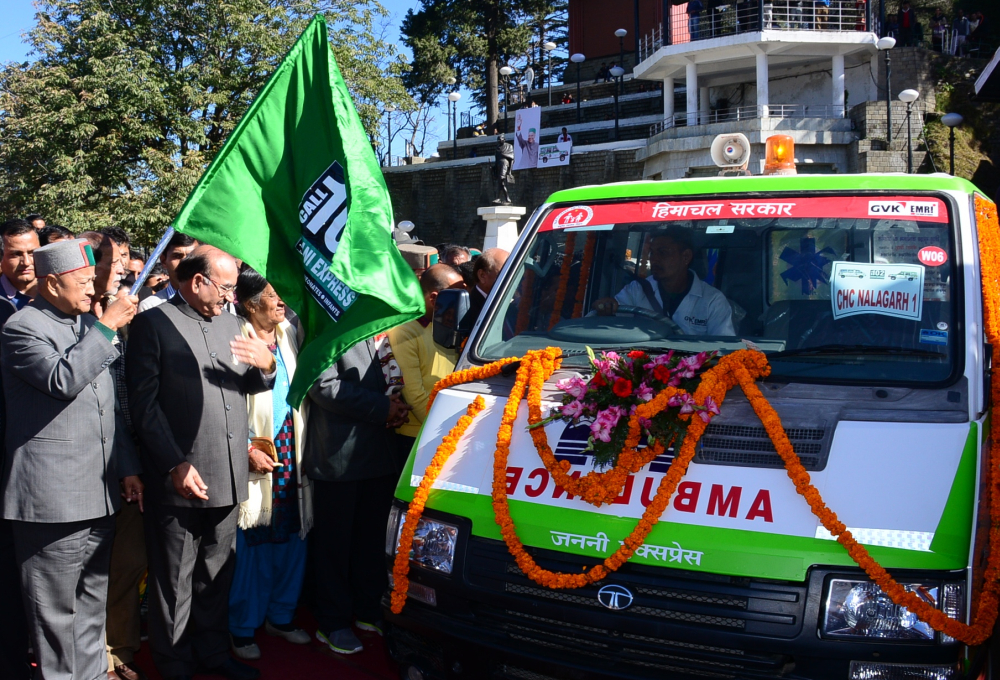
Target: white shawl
256, 510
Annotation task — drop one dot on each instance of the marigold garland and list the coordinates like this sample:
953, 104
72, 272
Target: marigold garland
564, 270
741, 368
581, 287
401, 565
468, 375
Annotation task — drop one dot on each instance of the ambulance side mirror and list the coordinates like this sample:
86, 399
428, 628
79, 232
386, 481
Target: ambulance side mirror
451, 307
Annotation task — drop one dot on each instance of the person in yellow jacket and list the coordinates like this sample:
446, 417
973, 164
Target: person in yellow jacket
422, 361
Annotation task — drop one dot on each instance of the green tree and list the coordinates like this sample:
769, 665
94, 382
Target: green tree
467, 40
126, 103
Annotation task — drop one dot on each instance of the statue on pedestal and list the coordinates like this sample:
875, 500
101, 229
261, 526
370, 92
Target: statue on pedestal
504, 161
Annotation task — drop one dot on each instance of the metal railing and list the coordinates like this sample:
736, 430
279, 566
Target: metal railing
746, 16
738, 113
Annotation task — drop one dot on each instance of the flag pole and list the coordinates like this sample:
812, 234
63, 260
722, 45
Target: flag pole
151, 261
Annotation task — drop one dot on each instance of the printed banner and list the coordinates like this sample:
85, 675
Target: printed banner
847, 207
527, 133
554, 154
888, 289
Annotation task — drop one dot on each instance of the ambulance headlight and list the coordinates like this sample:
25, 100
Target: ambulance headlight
433, 542
859, 609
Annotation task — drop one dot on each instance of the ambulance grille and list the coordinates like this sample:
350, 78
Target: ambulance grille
748, 446
666, 632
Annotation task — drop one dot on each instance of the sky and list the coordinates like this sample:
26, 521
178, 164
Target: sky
18, 16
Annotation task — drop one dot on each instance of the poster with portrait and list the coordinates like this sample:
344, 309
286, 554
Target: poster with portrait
527, 131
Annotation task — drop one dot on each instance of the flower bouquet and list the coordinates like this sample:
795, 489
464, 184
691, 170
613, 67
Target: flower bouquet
622, 383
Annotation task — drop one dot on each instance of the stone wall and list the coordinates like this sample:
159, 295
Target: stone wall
912, 68
442, 201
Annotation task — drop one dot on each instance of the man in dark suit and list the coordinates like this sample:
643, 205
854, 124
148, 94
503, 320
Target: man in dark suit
13, 627
66, 455
484, 272
189, 370
349, 458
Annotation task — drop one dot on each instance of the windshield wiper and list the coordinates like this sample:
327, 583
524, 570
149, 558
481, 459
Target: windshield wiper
854, 350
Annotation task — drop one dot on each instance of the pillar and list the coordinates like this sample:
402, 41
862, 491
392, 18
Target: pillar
501, 225
763, 91
668, 98
838, 85
691, 85
704, 105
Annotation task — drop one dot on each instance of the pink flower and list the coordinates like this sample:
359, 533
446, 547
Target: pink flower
685, 401
610, 416
603, 367
601, 431
573, 409
711, 406
645, 422
659, 360
644, 392
575, 387
611, 356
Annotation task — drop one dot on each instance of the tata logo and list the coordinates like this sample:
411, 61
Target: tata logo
615, 597
903, 208
577, 216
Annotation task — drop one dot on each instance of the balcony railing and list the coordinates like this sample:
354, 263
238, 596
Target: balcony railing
748, 113
746, 16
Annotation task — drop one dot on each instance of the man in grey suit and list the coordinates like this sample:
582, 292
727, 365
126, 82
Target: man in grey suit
349, 457
189, 371
67, 462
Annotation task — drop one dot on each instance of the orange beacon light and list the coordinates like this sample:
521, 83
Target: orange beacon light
780, 156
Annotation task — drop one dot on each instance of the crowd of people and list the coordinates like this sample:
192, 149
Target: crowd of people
151, 434
957, 35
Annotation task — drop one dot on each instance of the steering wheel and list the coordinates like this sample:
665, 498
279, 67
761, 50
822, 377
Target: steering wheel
650, 314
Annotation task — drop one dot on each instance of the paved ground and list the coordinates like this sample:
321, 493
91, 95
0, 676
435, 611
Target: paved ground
281, 660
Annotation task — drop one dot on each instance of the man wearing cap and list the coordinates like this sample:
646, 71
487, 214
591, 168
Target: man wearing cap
66, 470
529, 149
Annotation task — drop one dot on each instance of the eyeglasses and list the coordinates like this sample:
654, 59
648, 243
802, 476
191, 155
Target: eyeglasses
224, 290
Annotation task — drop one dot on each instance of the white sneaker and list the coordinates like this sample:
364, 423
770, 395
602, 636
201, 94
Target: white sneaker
296, 636
250, 652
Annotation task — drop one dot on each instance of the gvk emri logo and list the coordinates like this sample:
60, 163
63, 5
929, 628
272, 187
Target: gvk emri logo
615, 597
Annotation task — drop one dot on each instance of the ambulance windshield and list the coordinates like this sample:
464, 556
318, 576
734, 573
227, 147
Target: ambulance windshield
853, 289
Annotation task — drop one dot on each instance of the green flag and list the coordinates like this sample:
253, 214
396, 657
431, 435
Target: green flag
297, 193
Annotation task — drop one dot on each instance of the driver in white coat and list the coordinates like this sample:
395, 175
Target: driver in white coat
674, 290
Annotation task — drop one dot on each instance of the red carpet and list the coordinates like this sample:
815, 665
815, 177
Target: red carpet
280, 659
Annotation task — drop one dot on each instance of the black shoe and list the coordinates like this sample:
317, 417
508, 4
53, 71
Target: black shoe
179, 677
234, 670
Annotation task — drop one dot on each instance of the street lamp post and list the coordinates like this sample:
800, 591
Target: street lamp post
952, 120
621, 33
885, 45
388, 133
505, 72
548, 47
909, 96
449, 81
617, 72
453, 98
577, 59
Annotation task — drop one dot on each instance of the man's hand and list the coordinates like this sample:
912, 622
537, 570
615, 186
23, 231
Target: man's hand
132, 490
253, 351
260, 462
187, 482
399, 411
606, 307
119, 312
